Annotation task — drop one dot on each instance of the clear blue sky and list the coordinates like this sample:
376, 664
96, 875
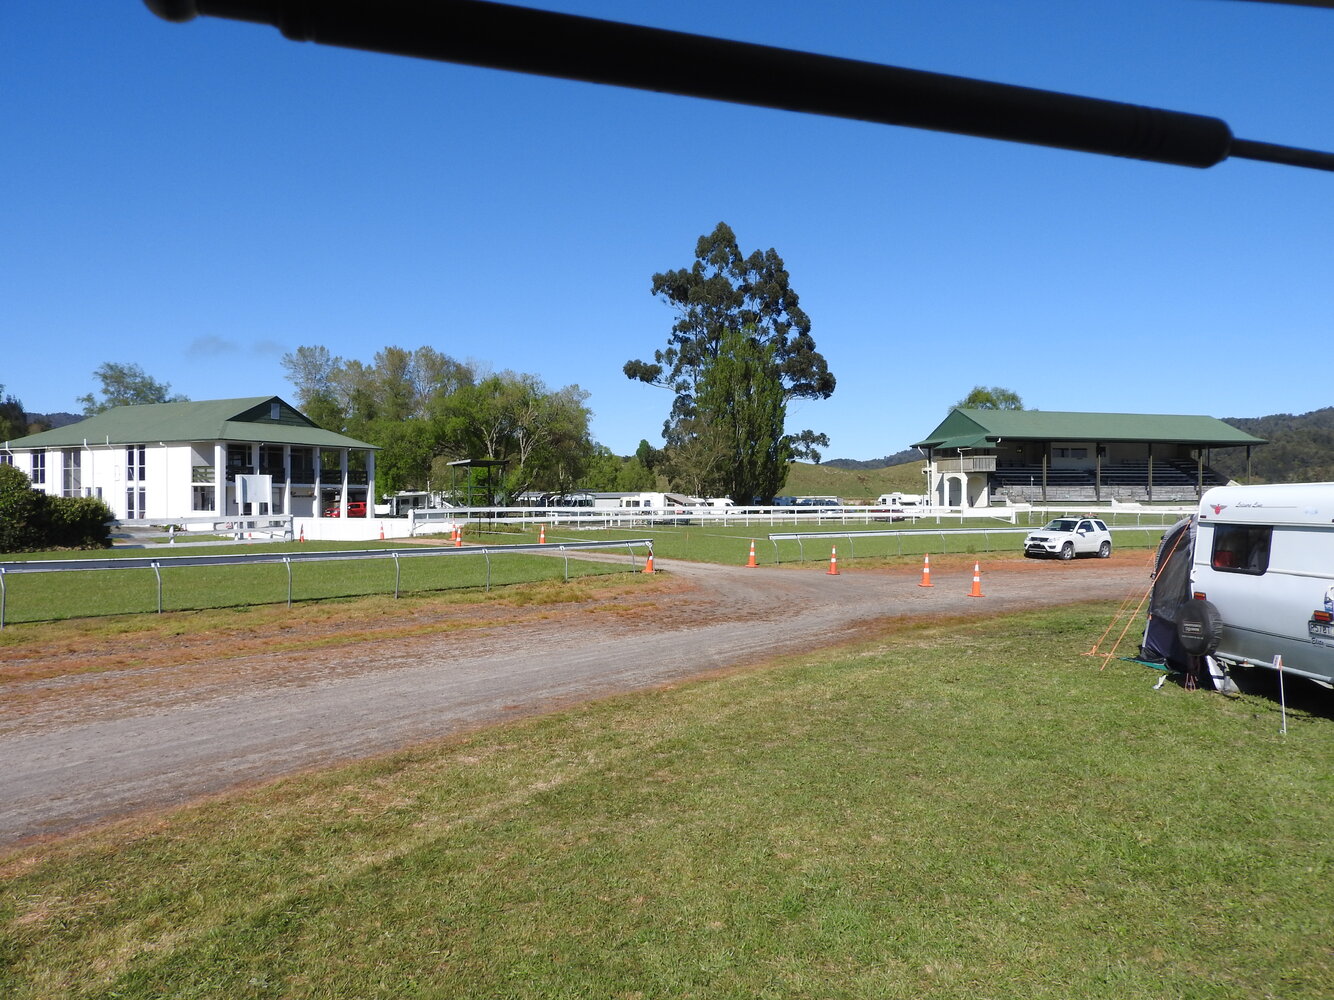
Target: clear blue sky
199, 199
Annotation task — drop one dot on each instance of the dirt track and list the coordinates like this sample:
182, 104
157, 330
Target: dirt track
191, 716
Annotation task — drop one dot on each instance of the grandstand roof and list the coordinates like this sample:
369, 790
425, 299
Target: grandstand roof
965, 428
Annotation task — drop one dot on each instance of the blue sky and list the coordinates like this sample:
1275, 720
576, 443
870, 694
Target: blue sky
200, 199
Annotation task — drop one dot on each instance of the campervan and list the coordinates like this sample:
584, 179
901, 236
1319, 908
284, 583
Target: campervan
1250, 577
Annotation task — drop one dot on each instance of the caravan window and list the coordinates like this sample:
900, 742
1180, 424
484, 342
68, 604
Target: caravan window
1241, 548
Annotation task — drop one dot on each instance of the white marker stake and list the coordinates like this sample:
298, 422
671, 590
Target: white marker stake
1282, 702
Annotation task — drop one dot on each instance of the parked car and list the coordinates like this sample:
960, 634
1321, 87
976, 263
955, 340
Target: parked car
1067, 537
357, 508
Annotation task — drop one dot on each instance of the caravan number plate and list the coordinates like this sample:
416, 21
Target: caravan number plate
1321, 628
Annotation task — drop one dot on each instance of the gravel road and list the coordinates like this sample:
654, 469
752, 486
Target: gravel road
200, 717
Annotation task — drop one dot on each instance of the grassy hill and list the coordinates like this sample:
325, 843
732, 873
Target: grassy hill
854, 485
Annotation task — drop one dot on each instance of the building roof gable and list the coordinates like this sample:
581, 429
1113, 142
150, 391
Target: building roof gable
986, 427
250, 418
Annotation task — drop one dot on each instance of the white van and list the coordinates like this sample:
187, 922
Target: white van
1260, 580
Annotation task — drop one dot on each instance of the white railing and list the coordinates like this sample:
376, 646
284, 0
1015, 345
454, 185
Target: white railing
443, 519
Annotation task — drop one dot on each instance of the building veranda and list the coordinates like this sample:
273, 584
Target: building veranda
979, 457
163, 462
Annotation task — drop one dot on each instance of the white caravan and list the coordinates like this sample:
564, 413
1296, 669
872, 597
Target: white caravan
1260, 580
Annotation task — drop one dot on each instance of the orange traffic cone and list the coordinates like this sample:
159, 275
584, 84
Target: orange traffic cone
458, 537
926, 572
302, 539
382, 531
977, 581
833, 561
648, 563
752, 564
542, 535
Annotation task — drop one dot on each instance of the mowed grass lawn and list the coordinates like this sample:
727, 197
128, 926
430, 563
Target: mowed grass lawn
967, 809
37, 597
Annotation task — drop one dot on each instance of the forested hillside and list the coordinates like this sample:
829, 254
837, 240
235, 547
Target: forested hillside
898, 458
1300, 448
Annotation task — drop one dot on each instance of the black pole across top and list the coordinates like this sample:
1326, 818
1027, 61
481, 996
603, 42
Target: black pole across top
501, 36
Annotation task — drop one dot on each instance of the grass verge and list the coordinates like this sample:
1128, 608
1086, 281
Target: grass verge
963, 810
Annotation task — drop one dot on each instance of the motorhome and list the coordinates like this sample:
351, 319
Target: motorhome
1248, 578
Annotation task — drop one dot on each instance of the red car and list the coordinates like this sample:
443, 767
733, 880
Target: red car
356, 508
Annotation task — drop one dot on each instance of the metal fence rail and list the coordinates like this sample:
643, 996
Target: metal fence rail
158, 563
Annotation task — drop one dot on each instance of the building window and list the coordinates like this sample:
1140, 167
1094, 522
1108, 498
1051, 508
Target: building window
201, 498
38, 468
134, 464
7, 458
303, 465
136, 500
71, 472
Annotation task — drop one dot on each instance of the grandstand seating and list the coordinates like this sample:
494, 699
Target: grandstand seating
1128, 480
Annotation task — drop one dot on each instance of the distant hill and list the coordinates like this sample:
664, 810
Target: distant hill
1300, 448
50, 421
898, 458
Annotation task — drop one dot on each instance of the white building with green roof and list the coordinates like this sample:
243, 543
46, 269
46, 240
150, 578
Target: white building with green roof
219, 457
1041, 456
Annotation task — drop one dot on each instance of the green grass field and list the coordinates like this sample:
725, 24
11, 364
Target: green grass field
49, 597
729, 544
960, 810
40, 597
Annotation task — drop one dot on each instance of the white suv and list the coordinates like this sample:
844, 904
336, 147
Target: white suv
1067, 537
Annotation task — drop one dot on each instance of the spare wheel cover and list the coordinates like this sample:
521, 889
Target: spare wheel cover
1199, 626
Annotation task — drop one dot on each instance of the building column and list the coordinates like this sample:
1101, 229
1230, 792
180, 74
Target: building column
1046, 461
370, 484
287, 479
1150, 472
342, 499
219, 479
317, 506
1097, 471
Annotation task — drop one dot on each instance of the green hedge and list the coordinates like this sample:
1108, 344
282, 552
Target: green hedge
33, 520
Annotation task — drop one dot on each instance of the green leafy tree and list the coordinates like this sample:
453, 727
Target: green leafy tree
13, 423
990, 398
725, 301
311, 370
126, 385
741, 407
542, 435
648, 456
407, 449
350, 395
608, 472
22, 512
725, 291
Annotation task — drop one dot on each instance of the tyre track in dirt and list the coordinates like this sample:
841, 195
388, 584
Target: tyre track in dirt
95, 749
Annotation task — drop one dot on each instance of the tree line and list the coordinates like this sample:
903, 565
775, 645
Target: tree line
425, 409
